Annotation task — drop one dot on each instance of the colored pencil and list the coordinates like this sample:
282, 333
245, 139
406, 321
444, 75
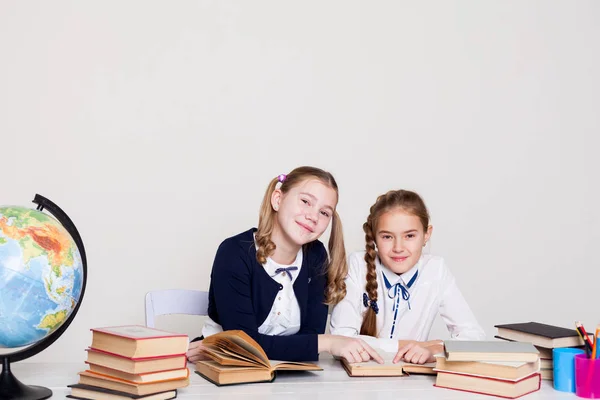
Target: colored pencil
586, 338
595, 342
586, 345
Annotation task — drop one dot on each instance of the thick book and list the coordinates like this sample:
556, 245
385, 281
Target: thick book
159, 376
388, 368
138, 389
493, 369
138, 341
491, 386
547, 374
480, 350
545, 353
87, 392
136, 365
548, 336
236, 358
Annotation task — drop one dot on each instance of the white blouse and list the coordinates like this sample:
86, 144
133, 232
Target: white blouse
433, 289
284, 317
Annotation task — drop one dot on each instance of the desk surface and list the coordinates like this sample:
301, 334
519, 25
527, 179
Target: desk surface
331, 383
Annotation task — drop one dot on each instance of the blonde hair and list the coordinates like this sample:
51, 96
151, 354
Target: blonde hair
409, 202
337, 267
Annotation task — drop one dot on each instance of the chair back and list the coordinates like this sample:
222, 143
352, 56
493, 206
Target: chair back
175, 301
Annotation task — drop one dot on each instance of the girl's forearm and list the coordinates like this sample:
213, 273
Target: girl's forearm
324, 343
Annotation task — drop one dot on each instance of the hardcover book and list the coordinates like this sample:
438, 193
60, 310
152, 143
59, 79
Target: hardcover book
548, 336
479, 350
138, 341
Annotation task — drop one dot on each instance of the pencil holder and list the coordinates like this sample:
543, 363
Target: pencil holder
564, 368
587, 377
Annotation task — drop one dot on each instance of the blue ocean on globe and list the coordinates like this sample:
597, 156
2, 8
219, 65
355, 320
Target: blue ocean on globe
41, 276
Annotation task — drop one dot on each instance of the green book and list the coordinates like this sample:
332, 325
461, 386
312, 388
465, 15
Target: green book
471, 350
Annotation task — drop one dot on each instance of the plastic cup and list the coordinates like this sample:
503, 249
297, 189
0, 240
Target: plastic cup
564, 368
587, 377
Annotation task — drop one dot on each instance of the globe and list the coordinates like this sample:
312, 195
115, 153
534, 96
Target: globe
41, 276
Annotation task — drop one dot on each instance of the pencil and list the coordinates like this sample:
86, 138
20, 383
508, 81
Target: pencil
586, 346
585, 338
595, 342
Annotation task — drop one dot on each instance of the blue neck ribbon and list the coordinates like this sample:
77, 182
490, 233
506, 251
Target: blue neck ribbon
394, 292
286, 270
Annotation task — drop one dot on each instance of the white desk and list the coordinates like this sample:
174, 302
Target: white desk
330, 384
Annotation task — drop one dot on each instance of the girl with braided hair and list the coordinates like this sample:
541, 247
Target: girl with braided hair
394, 292
275, 282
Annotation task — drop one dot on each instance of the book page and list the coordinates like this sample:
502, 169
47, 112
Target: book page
294, 365
240, 356
224, 357
239, 342
225, 368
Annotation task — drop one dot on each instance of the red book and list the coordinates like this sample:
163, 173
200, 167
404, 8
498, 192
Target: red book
149, 377
510, 389
136, 341
92, 379
136, 365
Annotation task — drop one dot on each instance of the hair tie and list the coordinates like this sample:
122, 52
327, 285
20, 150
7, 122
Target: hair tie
281, 178
370, 303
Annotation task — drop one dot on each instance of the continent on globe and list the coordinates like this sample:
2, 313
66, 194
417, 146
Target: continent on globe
41, 275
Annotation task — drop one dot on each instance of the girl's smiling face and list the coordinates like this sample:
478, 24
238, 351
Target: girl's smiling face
304, 212
400, 238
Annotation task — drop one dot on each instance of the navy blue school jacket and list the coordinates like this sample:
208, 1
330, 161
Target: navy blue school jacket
241, 295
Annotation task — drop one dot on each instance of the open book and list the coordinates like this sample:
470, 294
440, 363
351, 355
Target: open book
373, 368
236, 358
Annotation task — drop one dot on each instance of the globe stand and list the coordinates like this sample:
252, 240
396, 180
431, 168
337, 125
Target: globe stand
12, 389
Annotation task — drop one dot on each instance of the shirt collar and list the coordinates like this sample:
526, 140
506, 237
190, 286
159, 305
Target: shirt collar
297, 262
394, 278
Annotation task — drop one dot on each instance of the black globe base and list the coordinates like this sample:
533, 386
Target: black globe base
12, 389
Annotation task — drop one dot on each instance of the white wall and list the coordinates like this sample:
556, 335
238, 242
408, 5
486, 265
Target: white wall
157, 125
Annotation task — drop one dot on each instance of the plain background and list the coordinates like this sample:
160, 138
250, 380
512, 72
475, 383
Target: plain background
157, 125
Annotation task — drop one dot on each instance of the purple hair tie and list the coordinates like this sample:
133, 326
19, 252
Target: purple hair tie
281, 178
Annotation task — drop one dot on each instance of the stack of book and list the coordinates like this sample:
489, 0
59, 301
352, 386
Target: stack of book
505, 369
544, 337
133, 362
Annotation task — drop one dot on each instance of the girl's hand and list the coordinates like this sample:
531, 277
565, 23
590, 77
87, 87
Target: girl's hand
414, 353
194, 354
352, 349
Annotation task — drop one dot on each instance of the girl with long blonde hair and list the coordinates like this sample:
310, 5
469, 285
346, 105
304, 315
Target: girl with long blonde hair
275, 282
